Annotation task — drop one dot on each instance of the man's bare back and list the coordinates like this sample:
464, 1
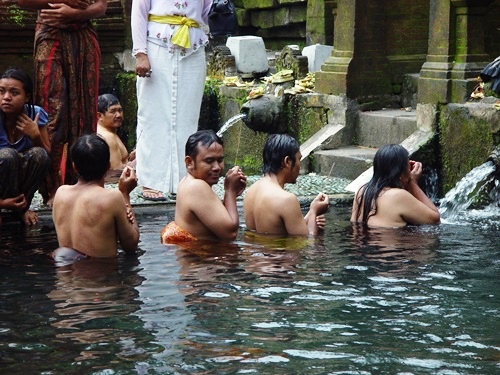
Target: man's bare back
88, 217
279, 206
269, 208
93, 221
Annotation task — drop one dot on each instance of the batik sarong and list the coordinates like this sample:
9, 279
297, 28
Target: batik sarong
66, 85
172, 233
22, 172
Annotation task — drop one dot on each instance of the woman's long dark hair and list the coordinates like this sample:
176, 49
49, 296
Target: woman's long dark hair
388, 165
25, 79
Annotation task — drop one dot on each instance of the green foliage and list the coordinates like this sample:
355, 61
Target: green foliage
17, 14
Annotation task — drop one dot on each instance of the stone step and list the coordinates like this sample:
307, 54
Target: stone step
346, 162
318, 139
377, 128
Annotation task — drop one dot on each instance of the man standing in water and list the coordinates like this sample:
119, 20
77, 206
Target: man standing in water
199, 213
268, 207
88, 217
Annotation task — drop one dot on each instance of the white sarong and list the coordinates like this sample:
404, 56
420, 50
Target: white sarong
168, 112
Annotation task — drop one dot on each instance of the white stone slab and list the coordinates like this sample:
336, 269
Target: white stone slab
249, 53
316, 56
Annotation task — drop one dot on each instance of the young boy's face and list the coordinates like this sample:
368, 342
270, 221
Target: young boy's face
113, 118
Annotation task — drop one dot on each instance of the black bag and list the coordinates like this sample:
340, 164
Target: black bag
491, 72
222, 18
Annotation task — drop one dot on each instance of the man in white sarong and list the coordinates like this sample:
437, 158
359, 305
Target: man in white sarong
169, 41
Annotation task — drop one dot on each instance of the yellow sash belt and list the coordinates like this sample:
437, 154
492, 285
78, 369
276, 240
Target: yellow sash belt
181, 36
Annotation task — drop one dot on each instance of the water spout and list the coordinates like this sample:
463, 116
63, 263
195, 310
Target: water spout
233, 120
265, 114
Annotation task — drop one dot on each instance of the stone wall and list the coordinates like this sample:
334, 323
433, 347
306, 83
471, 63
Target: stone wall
278, 22
468, 133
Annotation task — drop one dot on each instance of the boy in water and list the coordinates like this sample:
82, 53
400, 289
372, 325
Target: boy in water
110, 118
269, 208
90, 219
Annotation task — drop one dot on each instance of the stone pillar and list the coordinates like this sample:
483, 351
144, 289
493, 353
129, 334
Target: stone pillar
456, 50
357, 67
319, 24
470, 57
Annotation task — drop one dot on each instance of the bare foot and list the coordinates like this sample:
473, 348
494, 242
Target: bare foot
151, 194
29, 217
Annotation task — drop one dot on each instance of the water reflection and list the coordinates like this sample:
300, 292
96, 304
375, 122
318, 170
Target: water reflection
393, 249
94, 301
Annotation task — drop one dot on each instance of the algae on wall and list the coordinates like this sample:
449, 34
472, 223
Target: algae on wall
466, 141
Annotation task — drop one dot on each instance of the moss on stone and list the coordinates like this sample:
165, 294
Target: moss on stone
465, 143
128, 100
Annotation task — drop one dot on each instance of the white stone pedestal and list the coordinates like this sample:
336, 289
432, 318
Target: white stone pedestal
249, 54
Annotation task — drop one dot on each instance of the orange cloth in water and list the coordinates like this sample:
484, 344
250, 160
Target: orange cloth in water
172, 233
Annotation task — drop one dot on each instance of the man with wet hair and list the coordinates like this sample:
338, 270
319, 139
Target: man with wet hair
268, 207
88, 218
199, 212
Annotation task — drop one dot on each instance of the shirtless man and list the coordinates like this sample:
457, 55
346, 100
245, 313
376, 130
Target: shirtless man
89, 218
392, 198
199, 213
268, 207
110, 118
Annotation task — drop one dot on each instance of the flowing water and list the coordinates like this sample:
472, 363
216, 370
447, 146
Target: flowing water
233, 120
457, 201
421, 300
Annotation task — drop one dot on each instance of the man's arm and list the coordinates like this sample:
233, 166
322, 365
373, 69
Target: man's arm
220, 218
318, 207
60, 13
43, 4
126, 224
291, 215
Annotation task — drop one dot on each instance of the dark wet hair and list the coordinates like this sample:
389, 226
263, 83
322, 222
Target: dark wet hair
201, 138
105, 101
90, 153
25, 79
276, 148
388, 165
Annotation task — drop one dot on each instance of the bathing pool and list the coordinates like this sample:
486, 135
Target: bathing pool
414, 301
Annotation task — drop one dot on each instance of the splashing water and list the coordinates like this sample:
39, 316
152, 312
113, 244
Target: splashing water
233, 120
465, 192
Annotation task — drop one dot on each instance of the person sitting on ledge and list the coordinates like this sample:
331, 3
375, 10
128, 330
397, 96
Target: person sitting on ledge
110, 118
268, 207
199, 213
392, 198
88, 217
24, 145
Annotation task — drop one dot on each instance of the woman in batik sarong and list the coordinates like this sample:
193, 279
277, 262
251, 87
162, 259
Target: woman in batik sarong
67, 59
168, 43
24, 145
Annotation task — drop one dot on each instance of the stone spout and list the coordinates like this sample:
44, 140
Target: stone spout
495, 157
265, 114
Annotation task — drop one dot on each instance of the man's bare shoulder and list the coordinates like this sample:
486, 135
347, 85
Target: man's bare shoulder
190, 185
93, 193
270, 188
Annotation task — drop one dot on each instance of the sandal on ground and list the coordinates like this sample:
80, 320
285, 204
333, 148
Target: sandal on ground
151, 195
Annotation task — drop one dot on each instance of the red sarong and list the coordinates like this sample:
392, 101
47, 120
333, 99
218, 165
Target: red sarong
172, 233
